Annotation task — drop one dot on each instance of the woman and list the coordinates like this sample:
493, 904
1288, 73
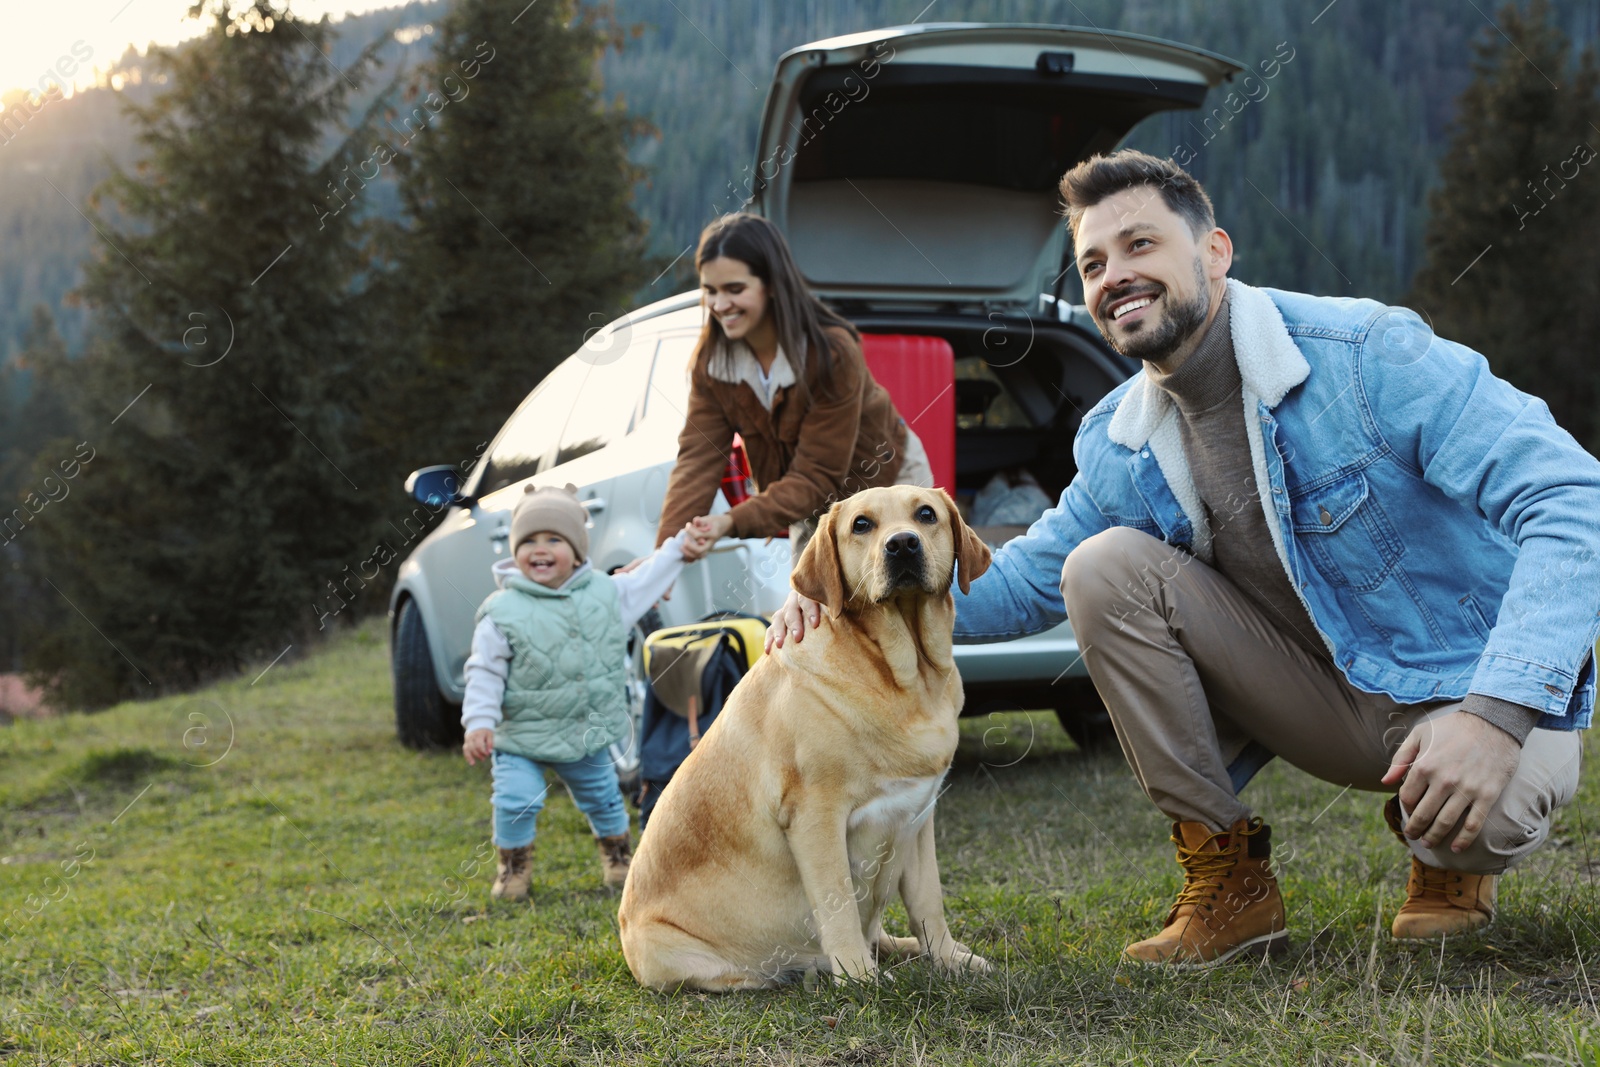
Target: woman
779, 368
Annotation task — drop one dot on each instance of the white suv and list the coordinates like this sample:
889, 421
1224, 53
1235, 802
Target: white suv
913, 171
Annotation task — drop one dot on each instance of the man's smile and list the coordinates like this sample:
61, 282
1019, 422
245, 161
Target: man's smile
1123, 306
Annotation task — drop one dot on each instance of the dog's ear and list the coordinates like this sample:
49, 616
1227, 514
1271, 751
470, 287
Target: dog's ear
972, 555
819, 575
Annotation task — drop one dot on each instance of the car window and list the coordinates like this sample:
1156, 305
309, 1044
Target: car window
669, 378
531, 433
608, 402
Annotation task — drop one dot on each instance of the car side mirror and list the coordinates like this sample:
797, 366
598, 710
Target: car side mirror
436, 487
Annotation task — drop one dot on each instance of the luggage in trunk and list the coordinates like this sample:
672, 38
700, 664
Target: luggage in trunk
919, 373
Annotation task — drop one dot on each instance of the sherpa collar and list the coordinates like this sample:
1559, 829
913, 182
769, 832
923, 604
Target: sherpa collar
1269, 364
742, 366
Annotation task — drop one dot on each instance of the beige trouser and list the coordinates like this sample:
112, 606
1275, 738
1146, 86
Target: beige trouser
1192, 672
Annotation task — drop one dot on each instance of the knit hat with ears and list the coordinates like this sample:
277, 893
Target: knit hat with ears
556, 510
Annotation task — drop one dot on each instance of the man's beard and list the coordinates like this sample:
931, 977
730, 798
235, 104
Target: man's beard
1179, 323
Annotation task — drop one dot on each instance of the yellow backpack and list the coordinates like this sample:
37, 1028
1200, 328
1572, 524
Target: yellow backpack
690, 669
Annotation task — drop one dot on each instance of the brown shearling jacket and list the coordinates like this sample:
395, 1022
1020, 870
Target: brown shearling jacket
803, 455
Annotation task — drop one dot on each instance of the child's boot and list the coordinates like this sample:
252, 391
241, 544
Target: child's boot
616, 853
514, 873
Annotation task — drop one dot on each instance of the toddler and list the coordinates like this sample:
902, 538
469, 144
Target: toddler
546, 678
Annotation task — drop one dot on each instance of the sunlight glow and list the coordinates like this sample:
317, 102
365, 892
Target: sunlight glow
54, 46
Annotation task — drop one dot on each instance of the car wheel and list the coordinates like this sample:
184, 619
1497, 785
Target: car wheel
625, 753
1084, 717
423, 719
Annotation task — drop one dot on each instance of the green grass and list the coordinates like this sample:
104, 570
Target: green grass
258, 873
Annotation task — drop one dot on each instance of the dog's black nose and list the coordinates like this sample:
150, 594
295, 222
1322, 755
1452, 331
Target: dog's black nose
905, 545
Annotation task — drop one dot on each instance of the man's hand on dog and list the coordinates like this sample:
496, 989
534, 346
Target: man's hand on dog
479, 745
1455, 765
791, 620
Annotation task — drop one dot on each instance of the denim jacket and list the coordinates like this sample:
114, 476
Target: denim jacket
1441, 529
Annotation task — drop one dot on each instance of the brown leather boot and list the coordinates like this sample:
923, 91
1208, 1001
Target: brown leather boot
1439, 902
616, 853
1229, 905
513, 873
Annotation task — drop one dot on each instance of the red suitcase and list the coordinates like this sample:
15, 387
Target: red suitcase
920, 375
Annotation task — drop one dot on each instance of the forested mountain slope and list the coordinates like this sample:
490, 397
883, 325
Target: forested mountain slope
1319, 172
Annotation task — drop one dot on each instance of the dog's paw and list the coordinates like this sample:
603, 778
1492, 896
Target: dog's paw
963, 959
856, 970
871, 976
976, 963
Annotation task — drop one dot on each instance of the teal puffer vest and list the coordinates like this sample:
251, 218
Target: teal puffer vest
566, 694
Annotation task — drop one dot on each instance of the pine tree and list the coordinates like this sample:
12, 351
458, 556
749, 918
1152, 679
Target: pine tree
522, 234
37, 435
33, 402
223, 389
1512, 267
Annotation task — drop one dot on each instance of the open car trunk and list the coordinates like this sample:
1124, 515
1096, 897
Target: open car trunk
1022, 387
920, 163
914, 171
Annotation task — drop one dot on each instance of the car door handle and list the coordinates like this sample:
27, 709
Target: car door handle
594, 505
500, 533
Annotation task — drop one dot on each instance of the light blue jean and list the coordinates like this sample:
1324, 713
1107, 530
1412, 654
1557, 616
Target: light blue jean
519, 792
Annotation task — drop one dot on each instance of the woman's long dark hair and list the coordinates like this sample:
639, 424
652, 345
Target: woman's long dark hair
797, 315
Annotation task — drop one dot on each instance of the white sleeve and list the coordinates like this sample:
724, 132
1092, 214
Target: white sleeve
486, 671
641, 587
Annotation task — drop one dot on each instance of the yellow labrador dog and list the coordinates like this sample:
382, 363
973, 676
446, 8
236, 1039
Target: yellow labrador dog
809, 803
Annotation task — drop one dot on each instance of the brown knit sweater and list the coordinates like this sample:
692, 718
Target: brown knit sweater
1208, 392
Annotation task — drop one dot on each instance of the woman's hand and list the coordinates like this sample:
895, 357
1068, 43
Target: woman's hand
791, 620
714, 527
695, 543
